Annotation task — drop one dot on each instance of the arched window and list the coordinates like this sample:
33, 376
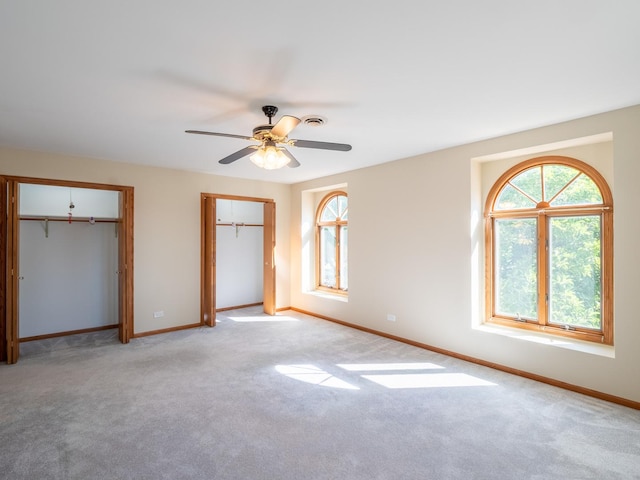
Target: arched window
549, 242
331, 242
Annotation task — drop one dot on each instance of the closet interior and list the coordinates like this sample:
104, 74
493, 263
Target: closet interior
68, 260
239, 253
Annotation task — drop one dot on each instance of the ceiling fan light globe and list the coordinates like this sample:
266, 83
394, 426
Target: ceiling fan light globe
269, 158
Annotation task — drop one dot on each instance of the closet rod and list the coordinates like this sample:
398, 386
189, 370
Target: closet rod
239, 225
73, 219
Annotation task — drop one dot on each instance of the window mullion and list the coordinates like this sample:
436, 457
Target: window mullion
337, 256
543, 269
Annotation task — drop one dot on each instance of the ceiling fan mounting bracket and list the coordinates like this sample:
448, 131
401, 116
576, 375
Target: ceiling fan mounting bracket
270, 111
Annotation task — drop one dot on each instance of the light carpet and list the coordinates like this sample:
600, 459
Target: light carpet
293, 397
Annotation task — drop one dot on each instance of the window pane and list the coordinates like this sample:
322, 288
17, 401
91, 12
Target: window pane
517, 268
510, 199
582, 191
342, 207
530, 182
328, 256
555, 178
330, 210
575, 271
344, 261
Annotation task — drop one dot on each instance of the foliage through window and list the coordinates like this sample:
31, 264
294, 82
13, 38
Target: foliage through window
549, 249
331, 242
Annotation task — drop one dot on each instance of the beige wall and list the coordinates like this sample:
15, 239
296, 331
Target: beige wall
166, 227
415, 251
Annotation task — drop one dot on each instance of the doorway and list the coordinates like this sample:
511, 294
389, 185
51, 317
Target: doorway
11, 217
209, 250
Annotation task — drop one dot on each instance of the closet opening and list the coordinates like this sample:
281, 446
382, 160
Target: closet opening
67, 257
238, 243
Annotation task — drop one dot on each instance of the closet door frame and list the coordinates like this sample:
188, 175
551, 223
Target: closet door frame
208, 255
9, 255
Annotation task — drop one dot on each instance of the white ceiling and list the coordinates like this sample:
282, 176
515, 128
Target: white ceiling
122, 80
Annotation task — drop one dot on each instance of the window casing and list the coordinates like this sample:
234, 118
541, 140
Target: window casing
549, 249
332, 242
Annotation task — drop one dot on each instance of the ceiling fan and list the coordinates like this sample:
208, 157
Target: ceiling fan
271, 152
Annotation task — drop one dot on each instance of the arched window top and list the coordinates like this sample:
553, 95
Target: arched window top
332, 239
549, 249
334, 208
549, 182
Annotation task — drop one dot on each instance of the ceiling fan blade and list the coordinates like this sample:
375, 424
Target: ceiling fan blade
293, 163
238, 155
342, 147
216, 134
285, 125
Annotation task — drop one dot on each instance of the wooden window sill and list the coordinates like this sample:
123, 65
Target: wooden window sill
549, 340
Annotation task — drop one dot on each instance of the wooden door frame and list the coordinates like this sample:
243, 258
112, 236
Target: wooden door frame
208, 254
9, 240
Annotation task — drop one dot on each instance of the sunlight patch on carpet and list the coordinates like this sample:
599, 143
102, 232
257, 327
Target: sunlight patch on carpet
265, 318
314, 375
363, 367
428, 380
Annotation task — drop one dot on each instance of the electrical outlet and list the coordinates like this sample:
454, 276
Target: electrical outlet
391, 317
158, 314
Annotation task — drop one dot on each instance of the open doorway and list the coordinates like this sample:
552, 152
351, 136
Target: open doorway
210, 224
49, 241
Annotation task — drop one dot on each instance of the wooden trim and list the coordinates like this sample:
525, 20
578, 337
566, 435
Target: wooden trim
3, 269
125, 257
550, 211
496, 366
69, 332
607, 197
489, 268
65, 183
12, 273
269, 259
166, 330
332, 291
203, 284
208, 251
543, 214
543, 254
237, 197
208, 261
238, 306
594, 336
336, 224
607, 276
283, 309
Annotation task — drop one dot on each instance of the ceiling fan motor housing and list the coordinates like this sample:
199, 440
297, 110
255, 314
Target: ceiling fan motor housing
262, 131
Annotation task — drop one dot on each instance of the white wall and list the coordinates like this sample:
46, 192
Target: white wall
166, 227
54, 201
413, 252
239, 253
69, 279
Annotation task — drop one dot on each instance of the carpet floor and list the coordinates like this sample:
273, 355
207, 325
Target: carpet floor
293, 397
